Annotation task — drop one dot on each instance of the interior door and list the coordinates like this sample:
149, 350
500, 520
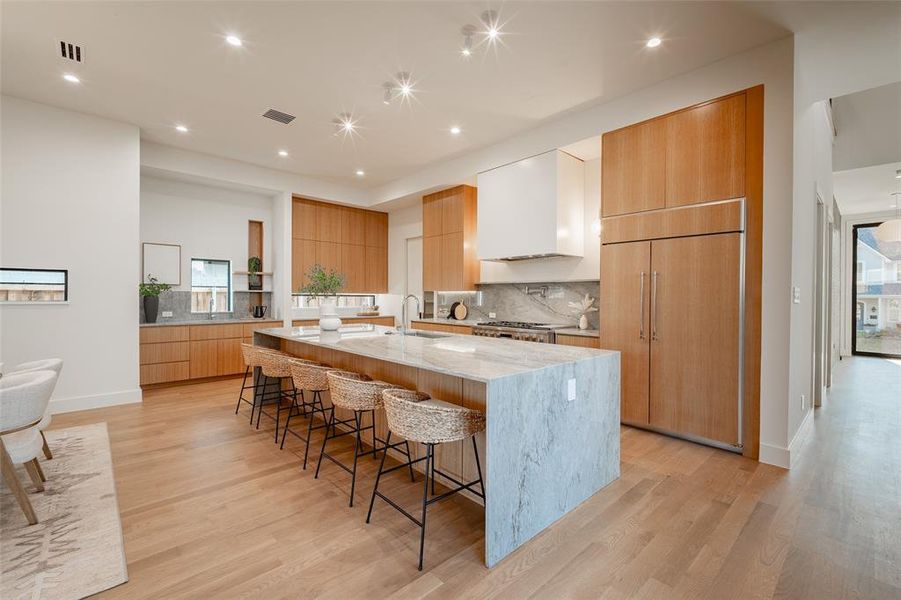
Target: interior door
694, 330
625, 316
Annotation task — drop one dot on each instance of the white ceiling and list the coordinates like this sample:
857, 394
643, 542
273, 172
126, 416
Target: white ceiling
160, 63
866, 190
868, 128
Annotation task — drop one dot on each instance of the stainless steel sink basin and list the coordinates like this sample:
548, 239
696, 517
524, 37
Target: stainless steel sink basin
419, 333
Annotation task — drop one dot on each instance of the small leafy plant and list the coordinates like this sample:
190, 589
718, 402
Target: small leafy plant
254, 265
322, 282
153, 288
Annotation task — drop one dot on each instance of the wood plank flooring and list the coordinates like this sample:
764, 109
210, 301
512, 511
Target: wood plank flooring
212, 509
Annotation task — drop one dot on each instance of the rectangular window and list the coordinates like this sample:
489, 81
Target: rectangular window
344, 301
211, 285
34, 285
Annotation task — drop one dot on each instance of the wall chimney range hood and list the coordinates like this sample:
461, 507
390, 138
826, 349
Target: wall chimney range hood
532, 208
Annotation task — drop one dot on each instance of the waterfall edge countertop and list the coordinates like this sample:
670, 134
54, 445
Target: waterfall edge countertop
470, 357
552, 413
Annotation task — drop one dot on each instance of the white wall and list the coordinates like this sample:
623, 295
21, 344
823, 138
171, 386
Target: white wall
207, 222
70, 194
403, 224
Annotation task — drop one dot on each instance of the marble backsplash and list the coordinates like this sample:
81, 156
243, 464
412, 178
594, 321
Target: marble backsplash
537, 302
179, 302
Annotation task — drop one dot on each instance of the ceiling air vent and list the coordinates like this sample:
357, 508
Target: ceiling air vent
71, 51
277, 115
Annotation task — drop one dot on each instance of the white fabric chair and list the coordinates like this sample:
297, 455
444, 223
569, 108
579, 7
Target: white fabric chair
47, 364
23, 402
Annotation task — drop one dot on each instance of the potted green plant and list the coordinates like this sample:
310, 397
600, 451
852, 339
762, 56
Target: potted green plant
325, 285
150, 293
254, 268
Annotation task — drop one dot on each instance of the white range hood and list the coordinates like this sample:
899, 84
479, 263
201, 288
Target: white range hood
532, 208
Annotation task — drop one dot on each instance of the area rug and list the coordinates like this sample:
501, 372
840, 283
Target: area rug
76, 548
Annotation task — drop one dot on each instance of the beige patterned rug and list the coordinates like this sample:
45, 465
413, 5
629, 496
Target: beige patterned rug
76, 548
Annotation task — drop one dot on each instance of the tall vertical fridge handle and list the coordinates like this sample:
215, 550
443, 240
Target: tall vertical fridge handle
641, 304
654, 306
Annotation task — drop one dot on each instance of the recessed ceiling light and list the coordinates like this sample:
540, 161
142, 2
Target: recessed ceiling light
71, 78
492, 27
345, 124
654, 42
181, 128
898, 174
404, 84
234, 40
455, 130
360, 172
283, 153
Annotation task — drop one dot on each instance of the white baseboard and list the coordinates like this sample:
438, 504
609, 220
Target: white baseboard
64, 405
785, 457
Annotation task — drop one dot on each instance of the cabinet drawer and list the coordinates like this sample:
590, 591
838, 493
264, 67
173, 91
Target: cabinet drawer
456, 329
153, 335
216, 332
165, 372
580, 341
164, 353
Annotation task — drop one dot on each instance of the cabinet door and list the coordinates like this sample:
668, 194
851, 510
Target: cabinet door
328, 254
329, 222
376, 276
694, 336
452, 262
431, 215
625, 318
305, 220
353, 267
303, 256
431, 263
705, 153
353, 226
376, 233
633, 168
229, 359
452, 212
204, 358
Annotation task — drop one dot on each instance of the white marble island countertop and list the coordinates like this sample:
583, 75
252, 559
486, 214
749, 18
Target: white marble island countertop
471, 357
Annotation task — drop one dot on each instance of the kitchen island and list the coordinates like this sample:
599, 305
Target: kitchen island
552, 412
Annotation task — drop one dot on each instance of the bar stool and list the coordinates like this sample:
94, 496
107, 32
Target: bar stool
358, 393
278, 366
252, 360
417, 417
311, 378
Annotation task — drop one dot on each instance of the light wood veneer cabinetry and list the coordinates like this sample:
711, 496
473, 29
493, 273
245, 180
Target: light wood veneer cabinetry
449, 260
458, 329
580, 341
352, 241
386, 321
183, 352
681, 198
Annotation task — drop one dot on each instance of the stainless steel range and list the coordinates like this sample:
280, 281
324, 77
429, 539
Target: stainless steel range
518, 330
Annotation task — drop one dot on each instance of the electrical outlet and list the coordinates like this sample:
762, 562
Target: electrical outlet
492, 315
167, 313
803, 401
571, 390
796, 294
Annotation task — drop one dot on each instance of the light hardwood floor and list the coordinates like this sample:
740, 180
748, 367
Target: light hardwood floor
212, 509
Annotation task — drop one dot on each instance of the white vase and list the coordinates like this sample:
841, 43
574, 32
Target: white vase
583, 322
328, 314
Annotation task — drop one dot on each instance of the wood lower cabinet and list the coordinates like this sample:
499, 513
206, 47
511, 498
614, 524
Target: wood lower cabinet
671, 307
183, 352
458, 329
579, 341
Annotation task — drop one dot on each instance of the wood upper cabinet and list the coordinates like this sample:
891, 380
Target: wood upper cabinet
350, 240
449, 260
625, 321
694, 366
633, 169
705, 152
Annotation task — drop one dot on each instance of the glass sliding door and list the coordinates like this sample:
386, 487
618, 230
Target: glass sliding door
876, 295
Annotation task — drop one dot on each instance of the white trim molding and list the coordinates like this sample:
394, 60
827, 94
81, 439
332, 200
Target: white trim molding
787, 457
64, 405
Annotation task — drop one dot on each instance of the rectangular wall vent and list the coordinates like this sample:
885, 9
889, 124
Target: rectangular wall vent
277, 115
71, 51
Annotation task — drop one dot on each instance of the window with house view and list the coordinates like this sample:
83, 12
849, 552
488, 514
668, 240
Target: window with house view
34, 285
211, 285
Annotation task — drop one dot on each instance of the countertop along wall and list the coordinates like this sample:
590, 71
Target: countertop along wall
70, 197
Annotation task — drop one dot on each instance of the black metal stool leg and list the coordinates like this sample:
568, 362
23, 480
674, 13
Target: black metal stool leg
287, 422
379, 476
316, 398
243, 387
430, 458
328, 425
475, 450
357, 444
409, 457
374, 447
